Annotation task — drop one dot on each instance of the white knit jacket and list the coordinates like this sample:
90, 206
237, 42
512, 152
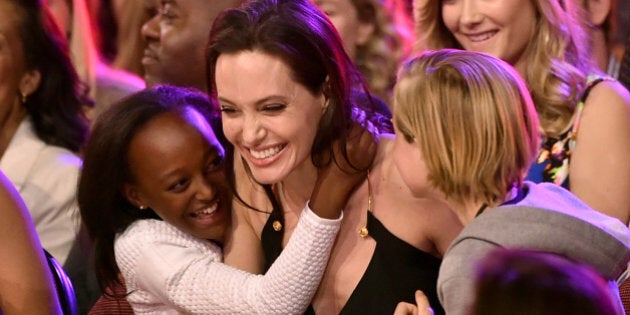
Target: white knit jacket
168, 271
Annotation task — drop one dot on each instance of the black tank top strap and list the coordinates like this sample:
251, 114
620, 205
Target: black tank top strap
273, 231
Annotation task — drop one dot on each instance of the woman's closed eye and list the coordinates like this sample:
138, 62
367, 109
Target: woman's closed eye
274, 107
228, 109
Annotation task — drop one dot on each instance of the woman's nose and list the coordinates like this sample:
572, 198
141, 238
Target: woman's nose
470, 13
253, 131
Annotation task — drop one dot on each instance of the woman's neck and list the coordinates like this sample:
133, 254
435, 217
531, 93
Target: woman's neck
599, 49
295, 190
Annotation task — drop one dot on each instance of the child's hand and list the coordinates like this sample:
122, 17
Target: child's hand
422, 306
337, 179
360, 148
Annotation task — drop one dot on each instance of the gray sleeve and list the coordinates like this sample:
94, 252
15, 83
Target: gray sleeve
456, 281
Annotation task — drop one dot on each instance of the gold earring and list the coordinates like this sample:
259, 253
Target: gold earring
142, 207
24, 96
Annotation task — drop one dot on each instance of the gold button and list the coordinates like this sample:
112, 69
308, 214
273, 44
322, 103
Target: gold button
363, 232
277, 226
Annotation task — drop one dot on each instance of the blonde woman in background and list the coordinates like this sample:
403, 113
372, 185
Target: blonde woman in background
545, 41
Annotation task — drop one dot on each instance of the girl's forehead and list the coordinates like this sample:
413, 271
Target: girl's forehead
199, 122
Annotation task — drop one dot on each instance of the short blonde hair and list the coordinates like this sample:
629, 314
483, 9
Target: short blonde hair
472, 117
558, 62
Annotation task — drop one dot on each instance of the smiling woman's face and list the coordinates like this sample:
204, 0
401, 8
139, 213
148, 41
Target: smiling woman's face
270, 118
177, 163
502, 28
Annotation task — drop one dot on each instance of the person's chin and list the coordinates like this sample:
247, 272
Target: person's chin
267, 176
215, 229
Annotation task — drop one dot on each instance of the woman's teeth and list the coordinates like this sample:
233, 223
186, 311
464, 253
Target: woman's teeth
263, 154
484, 36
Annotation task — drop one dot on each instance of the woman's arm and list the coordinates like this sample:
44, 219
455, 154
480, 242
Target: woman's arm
26, 284
600, 162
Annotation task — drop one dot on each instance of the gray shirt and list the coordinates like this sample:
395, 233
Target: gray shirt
549, 218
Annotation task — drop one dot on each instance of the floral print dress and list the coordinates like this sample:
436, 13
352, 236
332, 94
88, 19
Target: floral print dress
552, 163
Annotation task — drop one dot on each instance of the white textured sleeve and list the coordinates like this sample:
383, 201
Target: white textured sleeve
290, 283
192, 280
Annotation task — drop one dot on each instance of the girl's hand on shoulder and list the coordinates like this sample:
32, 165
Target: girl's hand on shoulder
347, 167
351, 159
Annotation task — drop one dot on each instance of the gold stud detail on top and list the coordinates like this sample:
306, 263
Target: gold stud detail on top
277, 226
